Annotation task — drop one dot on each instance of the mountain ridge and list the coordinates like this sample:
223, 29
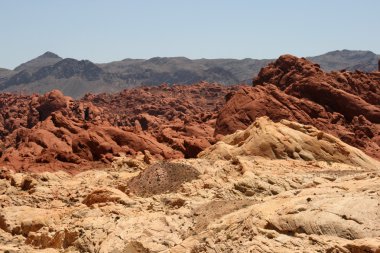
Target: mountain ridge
78, 77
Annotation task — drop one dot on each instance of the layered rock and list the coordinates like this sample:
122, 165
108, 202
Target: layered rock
345, 104
249, 203
288, 140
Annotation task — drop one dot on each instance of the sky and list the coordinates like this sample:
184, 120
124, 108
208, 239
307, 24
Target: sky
110, 30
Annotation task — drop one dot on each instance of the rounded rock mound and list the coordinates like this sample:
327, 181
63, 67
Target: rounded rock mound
288, 140
162, 178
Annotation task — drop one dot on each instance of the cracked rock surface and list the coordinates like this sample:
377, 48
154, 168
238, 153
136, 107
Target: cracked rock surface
247, 204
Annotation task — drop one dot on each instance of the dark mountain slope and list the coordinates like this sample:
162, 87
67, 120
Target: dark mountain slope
347, 59
75, 78
35, 64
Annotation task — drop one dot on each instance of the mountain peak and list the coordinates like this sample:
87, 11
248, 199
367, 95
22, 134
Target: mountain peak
46, 59
49, 54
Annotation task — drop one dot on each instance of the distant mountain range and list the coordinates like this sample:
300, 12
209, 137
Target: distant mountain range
78, 77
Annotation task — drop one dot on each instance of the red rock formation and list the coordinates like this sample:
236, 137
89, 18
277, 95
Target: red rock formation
52, 132
182, 117
14, 111
345, 104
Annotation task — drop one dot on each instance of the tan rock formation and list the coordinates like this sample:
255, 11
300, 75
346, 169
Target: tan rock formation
248, 203
288, 140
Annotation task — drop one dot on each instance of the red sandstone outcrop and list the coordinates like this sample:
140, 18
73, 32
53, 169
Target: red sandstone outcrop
182, 117
61, 140
14, 111
345, 104
53, 132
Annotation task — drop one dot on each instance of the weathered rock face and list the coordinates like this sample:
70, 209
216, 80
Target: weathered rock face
247, 204
53, 132
161, 178
52, 102
351, 94
288, 140
60, 142
344, 104
183, 117
14, 110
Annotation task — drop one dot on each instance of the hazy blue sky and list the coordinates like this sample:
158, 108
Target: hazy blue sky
107, 30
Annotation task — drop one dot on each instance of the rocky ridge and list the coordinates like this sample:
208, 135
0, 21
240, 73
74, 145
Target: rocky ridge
344, 104
78, 77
